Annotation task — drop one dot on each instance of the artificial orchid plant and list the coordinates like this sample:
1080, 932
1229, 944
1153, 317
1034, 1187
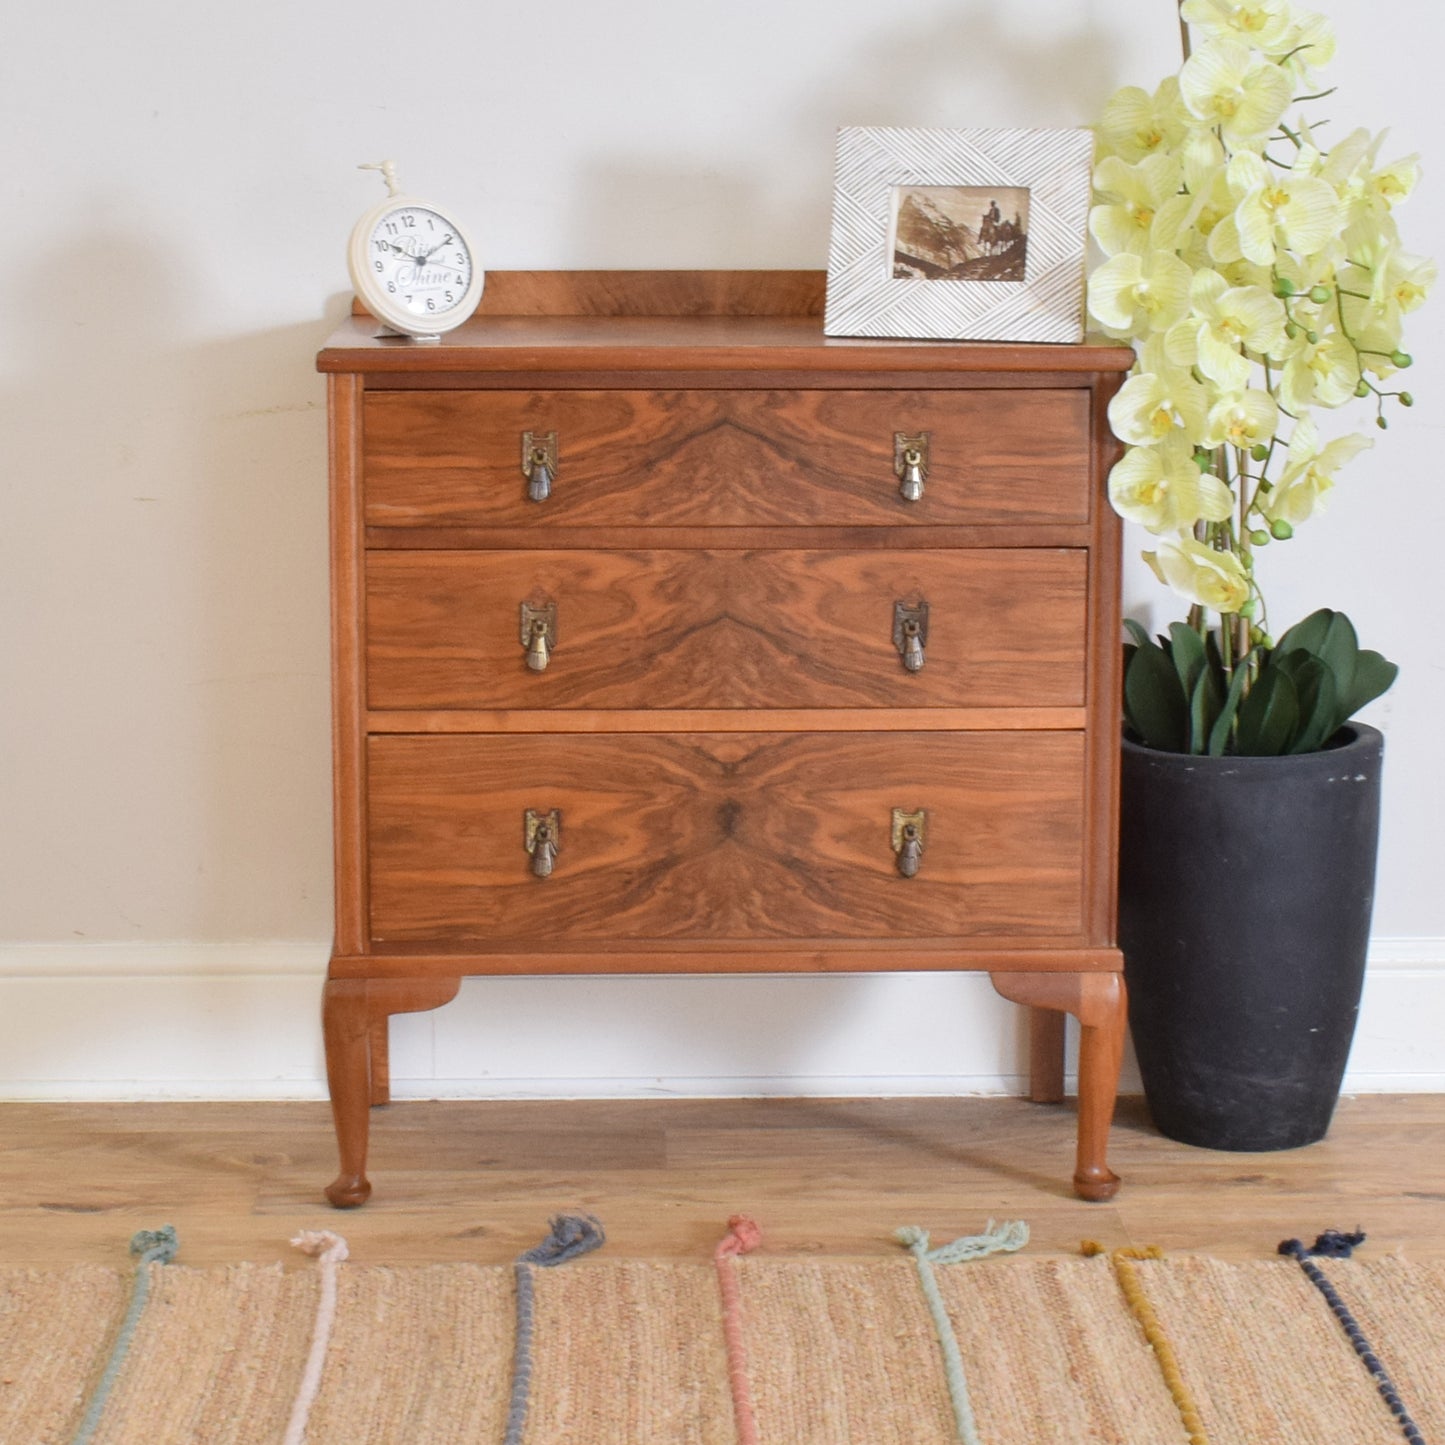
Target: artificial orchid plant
1256, 266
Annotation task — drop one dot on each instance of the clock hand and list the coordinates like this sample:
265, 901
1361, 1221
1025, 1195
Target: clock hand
445, 241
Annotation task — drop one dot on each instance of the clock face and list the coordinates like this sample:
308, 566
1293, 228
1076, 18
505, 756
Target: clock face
419, 260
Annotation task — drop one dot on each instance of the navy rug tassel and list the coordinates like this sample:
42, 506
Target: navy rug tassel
1333, 1244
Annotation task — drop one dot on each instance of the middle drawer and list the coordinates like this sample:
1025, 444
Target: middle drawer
721, 629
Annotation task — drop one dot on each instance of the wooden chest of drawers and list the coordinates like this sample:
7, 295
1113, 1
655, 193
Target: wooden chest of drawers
670, 636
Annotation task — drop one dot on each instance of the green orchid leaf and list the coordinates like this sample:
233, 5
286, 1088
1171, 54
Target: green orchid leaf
1307, 635
1154, 704
1211, 648
1318, 704
1219, 735
1374, 675
1186, 652
1340, 652
1269, 716
1204, 705
1137, 632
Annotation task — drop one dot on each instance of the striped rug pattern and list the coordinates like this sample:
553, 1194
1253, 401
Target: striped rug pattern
638, 1352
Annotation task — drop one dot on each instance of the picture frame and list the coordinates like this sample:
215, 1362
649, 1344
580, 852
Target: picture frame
964, 235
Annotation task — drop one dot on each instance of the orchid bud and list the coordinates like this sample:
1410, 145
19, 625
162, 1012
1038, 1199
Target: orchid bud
1259, 452
1402, 359
1312, 337
1259, 537
1319, 294
1406, 399
1281, 530
1283, 286
1382, 423
1362, 387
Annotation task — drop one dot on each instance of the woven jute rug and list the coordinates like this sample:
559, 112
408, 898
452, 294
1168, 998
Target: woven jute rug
737, 1348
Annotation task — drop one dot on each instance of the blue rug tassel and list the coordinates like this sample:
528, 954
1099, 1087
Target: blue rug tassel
1333, 1244
571, 1235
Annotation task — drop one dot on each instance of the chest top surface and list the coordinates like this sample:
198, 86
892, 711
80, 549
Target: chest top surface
681, 321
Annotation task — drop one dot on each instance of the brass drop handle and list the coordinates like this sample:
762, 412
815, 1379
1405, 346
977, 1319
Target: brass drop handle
910, 633
542, 835
908, 829
539, 463
910, 464
539, 633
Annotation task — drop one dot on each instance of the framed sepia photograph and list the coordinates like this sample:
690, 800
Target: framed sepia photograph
966, 235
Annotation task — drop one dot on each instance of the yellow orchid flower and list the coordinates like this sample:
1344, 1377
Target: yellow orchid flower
1134, 194
1377, 295
1153, 403
1319, 373
1294, 211
1393, 183
1308, 46
1264, 24
1309, 473
1200, 574
1402, 282
1135, 124
1241, 419
1224, 322
1228, 85
1161, 487
1134, 295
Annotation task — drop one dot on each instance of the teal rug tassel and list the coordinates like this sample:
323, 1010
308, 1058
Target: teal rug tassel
150, 1246
996, 1239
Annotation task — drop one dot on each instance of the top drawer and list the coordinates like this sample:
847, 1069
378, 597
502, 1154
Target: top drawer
725, 458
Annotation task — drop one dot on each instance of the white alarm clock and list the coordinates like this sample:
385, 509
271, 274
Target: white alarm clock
412, 264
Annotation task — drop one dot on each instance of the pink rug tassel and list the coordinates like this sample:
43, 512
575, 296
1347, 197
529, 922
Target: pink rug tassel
743, 1235
330, 1250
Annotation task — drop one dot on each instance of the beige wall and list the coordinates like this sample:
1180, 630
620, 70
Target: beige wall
178, 189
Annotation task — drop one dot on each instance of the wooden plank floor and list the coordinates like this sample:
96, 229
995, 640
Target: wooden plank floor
478, 1181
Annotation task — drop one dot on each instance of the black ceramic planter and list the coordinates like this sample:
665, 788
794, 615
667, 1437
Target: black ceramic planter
1245, 889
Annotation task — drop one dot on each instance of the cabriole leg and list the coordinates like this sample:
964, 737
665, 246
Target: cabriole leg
346, 1027
355, 1014
1097, 1000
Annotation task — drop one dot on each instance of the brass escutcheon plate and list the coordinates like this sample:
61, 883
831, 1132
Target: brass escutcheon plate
902, 818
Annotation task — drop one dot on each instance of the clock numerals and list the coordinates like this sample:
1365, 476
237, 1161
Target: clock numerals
419, 264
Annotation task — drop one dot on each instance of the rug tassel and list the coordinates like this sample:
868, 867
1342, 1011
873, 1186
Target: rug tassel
743, 1237
1003, 1238
1335, 1244
570, 1235
1125, 1262
329, 1249
150, 1246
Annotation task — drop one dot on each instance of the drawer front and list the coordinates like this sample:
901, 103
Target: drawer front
725, 836
770, 629
731, 458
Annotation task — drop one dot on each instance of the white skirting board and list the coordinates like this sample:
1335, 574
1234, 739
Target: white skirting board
241, 1021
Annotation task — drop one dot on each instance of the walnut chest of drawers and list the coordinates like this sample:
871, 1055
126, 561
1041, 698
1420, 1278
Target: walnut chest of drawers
672, 637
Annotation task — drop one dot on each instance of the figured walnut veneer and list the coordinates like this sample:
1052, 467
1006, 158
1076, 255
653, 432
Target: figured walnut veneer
724, 725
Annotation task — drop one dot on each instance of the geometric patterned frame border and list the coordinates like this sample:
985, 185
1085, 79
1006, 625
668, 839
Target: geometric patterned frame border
865, 299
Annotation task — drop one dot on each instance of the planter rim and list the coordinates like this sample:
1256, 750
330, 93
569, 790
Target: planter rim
1353, 735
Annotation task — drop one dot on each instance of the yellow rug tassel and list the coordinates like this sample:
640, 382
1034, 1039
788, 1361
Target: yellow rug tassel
1126, 1270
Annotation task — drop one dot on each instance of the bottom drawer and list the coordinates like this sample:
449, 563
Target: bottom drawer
725, 836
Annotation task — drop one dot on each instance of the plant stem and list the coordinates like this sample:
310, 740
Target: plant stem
1183, 32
